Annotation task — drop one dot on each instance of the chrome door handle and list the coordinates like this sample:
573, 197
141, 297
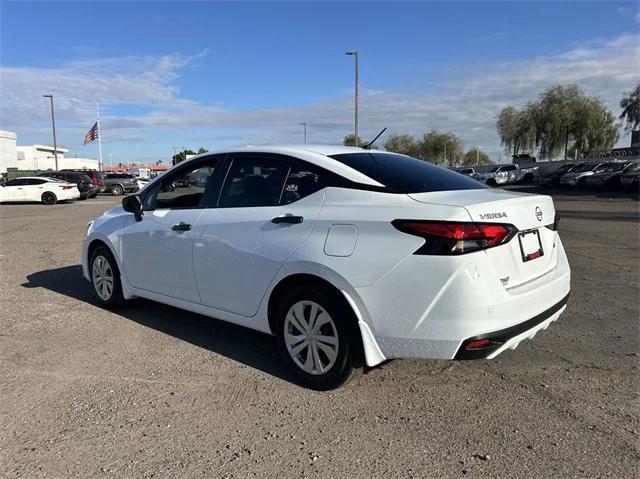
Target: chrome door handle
181, 227
288, 218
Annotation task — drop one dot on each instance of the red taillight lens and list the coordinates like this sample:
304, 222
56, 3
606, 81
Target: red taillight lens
66, 187
477, 344
450, 238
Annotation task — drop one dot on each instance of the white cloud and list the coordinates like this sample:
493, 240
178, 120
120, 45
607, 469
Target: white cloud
466, 100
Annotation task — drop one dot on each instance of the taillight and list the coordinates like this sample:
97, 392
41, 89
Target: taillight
67, 187
454, 237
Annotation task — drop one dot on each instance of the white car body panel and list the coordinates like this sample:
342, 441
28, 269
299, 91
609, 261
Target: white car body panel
158, 259
229, 242
406, 304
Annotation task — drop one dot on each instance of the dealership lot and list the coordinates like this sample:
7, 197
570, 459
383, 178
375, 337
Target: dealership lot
152, 391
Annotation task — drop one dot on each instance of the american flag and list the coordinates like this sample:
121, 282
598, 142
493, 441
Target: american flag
92, 134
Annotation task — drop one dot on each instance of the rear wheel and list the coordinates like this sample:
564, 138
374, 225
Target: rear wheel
105, 278
117, 190
317, 336
48, 198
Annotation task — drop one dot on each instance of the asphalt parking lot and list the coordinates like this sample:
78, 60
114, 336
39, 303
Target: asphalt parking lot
152, 391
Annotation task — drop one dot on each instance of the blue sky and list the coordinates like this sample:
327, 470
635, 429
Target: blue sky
219, 74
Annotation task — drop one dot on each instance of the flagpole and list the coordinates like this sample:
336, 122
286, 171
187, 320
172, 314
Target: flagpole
99, 136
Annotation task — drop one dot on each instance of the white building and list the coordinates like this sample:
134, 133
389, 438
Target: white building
8, 153
37, 157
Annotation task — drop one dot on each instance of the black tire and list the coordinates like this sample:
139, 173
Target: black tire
115, 299
349, 362
49, 198
117, 190
491, 182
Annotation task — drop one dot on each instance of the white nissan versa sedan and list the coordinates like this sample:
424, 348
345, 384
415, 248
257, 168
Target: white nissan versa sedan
349, 256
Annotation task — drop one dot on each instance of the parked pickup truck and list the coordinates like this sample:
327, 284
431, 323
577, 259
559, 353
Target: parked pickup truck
119, 183
507, 174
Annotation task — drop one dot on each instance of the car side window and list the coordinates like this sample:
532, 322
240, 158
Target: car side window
33, 181
185, 189
301, 182
16, 182
254, 181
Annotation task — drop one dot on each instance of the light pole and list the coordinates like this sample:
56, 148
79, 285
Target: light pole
356, 55
478, 155
304, 124
53, 122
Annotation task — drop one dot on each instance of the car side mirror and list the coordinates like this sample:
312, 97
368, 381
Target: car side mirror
132, 204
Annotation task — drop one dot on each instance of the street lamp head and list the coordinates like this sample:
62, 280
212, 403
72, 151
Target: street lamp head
47, 96
351, 53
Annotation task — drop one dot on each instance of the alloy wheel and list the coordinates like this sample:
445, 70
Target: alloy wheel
48, 198
311, 337
102, 276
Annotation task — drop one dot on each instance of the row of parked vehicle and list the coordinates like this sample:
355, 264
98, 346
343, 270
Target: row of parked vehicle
51, 187
612, 174
598, 174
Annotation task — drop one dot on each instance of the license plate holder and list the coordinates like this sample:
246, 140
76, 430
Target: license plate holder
530, 245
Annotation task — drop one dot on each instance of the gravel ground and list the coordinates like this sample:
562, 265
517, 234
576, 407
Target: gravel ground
152, 391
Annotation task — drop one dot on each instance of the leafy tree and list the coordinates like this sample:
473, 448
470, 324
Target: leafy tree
202, 150
441, 148
181, 156
475, 157
563, 116
403, 144
630, 105
516, 128
349, 140
593, 128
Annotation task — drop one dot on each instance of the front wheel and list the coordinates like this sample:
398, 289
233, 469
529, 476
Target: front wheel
48, 198
105, 278
117, 190
319, 338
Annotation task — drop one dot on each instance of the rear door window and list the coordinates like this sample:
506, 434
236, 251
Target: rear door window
403, 174
254, 181
302, 182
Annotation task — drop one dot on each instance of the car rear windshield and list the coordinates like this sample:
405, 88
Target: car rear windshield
403, 174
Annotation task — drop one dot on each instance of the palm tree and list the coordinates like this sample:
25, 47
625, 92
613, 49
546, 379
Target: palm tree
630, 105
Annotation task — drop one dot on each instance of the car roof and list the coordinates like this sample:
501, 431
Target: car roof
34, 178
318, 155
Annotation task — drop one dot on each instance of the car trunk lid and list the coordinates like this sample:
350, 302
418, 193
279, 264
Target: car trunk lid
532, 252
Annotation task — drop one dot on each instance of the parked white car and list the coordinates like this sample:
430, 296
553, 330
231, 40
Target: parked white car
349, 256
47, 191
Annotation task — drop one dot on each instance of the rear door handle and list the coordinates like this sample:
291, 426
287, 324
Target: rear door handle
181, 227
288, 218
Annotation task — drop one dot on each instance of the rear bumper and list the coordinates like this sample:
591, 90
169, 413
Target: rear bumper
509, 338
429, 311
